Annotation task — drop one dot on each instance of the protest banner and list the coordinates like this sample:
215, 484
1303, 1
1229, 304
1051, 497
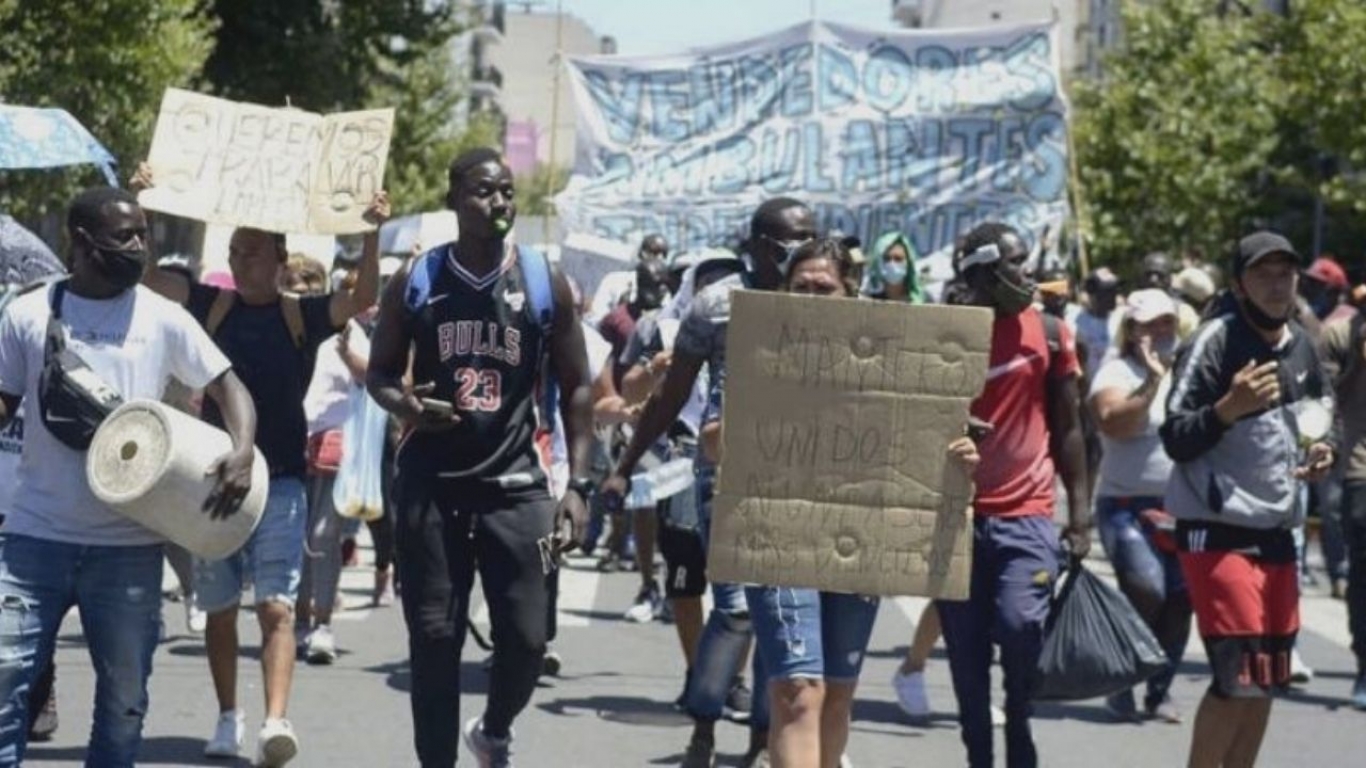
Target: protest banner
835, 473
926, 132
281, 170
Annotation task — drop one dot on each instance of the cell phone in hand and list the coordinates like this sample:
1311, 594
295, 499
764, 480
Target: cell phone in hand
438, 407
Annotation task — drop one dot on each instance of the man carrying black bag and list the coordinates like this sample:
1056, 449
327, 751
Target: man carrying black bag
1248, 422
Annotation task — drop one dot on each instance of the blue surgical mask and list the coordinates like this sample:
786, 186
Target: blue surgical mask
1165, 348
894, 272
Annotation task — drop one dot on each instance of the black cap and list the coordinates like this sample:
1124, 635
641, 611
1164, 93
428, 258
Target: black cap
1259, 245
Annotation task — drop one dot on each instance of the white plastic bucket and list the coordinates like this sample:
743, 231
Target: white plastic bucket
148, 463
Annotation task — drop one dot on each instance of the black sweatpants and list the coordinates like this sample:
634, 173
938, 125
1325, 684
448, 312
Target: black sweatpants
445, 531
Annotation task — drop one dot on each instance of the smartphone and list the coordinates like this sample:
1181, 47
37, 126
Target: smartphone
438, 407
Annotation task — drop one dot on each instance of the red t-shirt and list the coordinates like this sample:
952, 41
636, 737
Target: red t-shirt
1015, 478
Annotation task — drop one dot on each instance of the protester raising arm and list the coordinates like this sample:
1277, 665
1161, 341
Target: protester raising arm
346, 304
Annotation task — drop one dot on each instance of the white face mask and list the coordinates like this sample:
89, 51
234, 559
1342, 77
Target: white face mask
894, 272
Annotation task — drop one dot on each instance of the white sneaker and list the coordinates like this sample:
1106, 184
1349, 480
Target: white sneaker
196, 621
1300, 673
998, 717
910, 693
227, 735
321, 646
276, 743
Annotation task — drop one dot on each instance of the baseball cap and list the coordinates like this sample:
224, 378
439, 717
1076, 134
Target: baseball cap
1258, 246
1195, 284
1328, 272
1149, 304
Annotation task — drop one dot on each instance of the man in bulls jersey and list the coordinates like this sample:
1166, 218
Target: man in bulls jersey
470, 492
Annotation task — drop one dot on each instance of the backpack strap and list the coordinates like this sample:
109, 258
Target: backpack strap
422, 276
293, 310
541, 297
536, 272
218, 310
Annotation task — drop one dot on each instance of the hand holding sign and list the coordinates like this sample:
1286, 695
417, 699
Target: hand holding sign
281, 170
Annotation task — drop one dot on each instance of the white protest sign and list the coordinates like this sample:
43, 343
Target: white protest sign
835, 473
281, 170
926, 132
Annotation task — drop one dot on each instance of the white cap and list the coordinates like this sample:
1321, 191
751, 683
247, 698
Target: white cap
1148, 305
1194, 283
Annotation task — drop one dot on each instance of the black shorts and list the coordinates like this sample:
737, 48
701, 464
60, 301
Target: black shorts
685, 559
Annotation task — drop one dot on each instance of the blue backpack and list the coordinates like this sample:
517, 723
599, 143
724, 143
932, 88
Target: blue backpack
536, 272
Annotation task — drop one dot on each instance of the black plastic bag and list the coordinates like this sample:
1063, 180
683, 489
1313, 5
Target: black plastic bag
1095, 643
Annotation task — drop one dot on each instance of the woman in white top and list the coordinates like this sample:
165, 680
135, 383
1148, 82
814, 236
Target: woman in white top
1128, 399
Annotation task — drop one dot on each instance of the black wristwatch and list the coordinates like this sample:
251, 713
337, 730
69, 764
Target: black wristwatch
583, 486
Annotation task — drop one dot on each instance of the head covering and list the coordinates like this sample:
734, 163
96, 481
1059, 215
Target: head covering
220, 279
1148, 305
1328, 272
1194, 284
873, 282
1258, 246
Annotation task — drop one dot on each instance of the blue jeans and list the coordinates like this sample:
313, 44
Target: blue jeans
721, 650
1014, 566
272, 558
1150, 578
808, 634
118, 593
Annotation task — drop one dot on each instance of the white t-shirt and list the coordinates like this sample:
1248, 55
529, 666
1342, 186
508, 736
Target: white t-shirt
135, 342
11, 448
329, 392
1138, 466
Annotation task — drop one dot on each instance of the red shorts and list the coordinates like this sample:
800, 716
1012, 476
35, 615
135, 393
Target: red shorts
1248, 611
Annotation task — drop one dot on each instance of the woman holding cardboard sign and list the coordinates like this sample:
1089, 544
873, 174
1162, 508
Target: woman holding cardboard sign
811, 642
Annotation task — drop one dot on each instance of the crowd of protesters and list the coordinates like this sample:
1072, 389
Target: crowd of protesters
1176, 418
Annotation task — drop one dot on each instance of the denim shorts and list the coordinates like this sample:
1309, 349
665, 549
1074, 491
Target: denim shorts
1129, 543
805, 633
271, 559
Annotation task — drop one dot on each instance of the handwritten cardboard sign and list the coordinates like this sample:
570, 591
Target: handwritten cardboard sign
281, 170
835, 473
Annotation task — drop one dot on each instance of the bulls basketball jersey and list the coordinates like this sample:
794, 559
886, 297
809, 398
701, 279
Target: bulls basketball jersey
478, 339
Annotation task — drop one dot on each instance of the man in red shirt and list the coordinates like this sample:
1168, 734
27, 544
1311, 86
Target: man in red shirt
1031, 405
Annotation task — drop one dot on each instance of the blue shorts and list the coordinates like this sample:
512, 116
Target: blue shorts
271, 559
808, 634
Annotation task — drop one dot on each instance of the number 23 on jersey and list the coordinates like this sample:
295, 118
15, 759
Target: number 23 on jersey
478, 390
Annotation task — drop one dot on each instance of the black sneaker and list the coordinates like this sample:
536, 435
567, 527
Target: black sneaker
681, 703
45, 724
739, 702
551, 664
701, 752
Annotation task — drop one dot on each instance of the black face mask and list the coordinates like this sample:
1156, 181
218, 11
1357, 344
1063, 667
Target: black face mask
1260, 319
121, 268
1010, 296
120, 265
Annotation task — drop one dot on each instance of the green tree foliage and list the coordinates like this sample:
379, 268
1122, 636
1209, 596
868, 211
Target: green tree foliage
1173, 140
536, 190
1211, 120
104, 61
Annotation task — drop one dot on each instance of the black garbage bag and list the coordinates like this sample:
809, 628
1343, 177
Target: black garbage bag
1095, 643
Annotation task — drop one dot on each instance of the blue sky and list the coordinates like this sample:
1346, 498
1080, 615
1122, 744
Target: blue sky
666, 26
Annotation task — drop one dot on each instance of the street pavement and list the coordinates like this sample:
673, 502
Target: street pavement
611, 705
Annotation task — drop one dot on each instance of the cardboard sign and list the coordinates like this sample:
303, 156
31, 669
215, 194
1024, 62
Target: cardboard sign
835, 473
281, 170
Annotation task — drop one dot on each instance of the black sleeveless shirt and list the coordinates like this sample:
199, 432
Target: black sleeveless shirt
478, 339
